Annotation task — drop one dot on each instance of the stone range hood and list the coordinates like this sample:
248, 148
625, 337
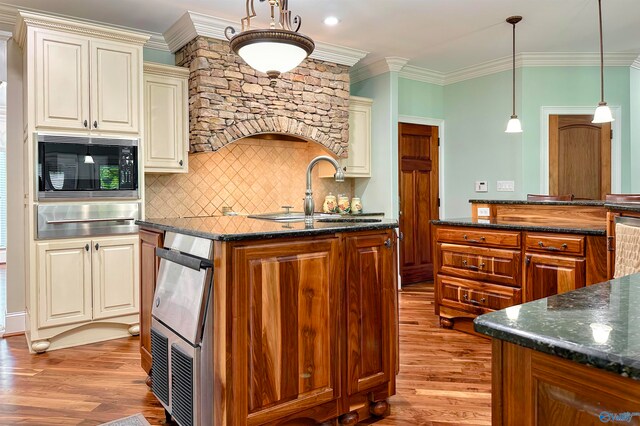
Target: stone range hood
228, 100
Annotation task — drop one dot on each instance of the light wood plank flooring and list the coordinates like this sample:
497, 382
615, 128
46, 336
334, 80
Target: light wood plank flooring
445, 377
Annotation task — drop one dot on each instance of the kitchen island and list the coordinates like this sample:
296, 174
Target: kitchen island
570, 359
305, 318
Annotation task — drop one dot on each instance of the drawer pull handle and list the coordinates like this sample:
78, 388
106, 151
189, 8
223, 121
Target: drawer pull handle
480, 240
473, 301
551, 248
474, 267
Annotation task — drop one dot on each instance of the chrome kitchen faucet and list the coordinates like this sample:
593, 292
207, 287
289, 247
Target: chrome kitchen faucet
309, 206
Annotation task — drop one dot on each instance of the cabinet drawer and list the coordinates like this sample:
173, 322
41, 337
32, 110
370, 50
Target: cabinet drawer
565, 244
474, 296
486, 264
479, 237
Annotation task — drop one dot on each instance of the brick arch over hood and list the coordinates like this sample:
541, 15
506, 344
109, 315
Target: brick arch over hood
228, 100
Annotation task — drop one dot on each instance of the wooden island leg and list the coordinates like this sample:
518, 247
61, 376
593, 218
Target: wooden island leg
349, 419
446, 322
379, 408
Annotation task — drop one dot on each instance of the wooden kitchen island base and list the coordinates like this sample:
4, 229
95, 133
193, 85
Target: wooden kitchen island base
534, 388
305, 327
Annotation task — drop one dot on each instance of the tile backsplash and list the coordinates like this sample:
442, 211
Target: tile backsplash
249, 176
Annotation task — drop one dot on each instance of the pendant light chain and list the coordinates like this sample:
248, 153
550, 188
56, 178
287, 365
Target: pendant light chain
514, 68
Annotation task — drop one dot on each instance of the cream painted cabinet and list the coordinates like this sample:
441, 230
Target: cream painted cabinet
64, 282
166, 118
115, 268
115, 71
81, 280
84, 83
62, 80
358, 164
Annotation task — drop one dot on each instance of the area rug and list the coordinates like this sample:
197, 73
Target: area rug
135, 420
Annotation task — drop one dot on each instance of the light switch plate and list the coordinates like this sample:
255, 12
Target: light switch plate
482, 186
505, 186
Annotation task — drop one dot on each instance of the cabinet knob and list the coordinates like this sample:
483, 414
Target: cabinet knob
86, 247
86, 123
387, 243
181, 162
527, 260
95, 124
97, 246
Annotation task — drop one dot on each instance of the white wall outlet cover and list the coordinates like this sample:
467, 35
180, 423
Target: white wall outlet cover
482, 186
484, 221
483, 211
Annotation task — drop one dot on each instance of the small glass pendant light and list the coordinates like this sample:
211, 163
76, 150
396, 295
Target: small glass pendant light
603, 112
514, 125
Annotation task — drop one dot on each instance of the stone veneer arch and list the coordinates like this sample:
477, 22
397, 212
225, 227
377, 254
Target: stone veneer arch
229, 100
276, 125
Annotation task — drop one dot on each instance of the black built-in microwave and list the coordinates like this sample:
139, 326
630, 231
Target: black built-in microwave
87, 167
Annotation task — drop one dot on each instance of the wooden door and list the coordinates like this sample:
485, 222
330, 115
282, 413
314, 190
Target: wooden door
115, 85
288, 341
149, 264
62, 80
166, 116
64, 282
116, 276
371, 292
579, 157
418, 156
549, 275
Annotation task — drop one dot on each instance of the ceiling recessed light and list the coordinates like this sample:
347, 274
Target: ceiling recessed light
331, 21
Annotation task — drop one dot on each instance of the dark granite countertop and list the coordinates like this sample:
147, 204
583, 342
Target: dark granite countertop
521, 225
543, 203
235, 228
597, 325
627, 207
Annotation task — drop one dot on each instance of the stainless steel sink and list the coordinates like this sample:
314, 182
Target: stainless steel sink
292, 216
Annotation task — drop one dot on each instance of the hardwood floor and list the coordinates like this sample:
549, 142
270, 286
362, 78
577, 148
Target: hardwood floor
445, 377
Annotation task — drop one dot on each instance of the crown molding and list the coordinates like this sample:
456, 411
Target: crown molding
193, 24
636, 64
165, 70
381, 66
422, 74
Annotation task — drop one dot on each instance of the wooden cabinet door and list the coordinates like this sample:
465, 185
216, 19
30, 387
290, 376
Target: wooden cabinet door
149, 265
286, 351
549, 275
166, 118
116, 276
115, 86
371, 294
61, 80
64, 282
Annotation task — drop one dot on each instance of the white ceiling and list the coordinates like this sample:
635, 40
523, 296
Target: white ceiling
440, 35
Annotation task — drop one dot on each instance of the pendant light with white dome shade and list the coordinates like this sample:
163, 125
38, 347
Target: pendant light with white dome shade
514, 125
603, 112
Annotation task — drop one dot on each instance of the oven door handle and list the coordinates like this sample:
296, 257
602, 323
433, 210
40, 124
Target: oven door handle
193, 262
102, 219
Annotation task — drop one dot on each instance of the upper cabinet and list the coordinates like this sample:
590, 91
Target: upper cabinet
166, 118
81, 77
358, 164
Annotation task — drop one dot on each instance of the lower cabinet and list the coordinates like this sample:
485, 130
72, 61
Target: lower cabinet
370, 287
80, 281
149, 264
549, 275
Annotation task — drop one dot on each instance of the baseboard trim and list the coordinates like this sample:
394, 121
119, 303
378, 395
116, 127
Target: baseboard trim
14, 324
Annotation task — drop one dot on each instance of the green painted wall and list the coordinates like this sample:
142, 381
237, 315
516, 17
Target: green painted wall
634, 130
159, 56
419, 99
567, 87
377, 192
476, 147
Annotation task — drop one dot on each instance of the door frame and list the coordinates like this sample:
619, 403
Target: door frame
616, 143
439, 123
